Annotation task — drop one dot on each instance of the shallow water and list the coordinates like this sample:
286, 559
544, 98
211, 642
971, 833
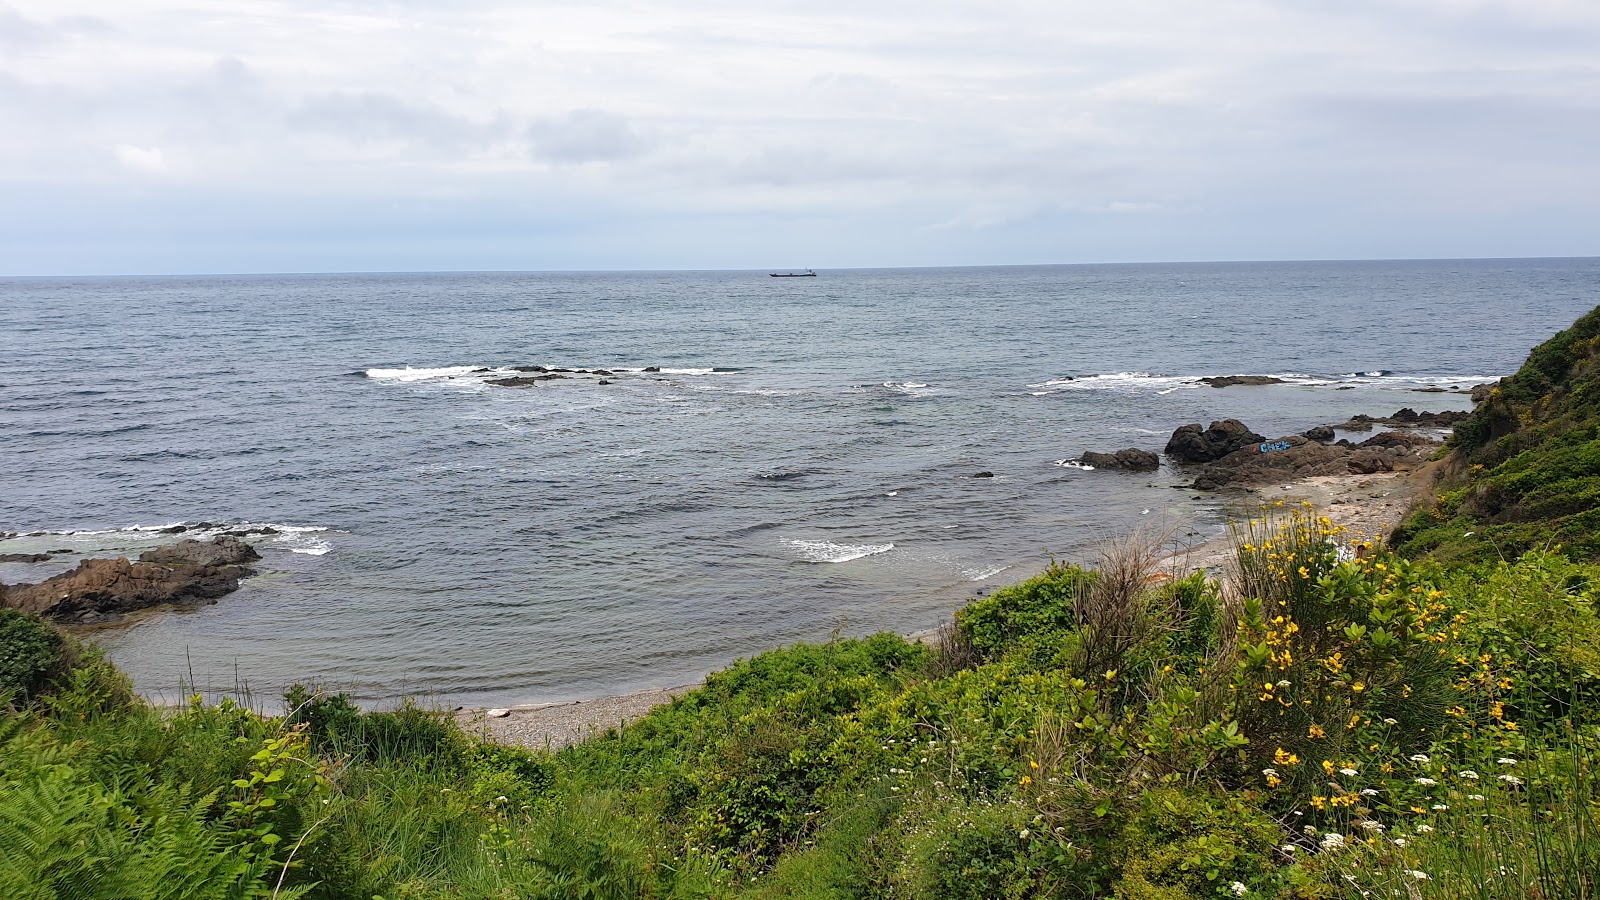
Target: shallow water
801, 462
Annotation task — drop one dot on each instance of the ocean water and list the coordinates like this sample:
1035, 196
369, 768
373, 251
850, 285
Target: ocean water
801, 462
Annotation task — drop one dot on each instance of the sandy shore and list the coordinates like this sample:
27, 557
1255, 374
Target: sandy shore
1369, 506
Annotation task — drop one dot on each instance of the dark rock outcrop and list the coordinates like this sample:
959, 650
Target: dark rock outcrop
1191, 443
522, 380
983, 475
1407, 417
1302, 458
1480, 392
23, 557
1219, 381
1319, 433
189, 573
1131, 459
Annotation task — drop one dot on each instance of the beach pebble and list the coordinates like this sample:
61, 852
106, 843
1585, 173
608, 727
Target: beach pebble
498, 713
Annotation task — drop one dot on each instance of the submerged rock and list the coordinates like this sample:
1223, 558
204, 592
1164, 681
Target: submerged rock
1220, 381
187, 573
1131, 459
522, 380
983, 475
23, 557
1191, 443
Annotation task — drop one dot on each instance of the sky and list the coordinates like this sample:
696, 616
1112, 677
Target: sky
149, 137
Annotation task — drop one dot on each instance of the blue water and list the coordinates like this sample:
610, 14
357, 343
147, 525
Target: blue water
802, 462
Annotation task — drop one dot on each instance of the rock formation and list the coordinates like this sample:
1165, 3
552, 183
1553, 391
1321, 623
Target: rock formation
1191, 443
187, 573
1131, 459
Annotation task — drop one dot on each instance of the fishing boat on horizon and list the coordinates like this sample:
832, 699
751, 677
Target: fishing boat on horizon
806, 274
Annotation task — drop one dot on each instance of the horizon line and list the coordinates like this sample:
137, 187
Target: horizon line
686, 270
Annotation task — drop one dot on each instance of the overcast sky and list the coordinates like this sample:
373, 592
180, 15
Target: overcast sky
348, 135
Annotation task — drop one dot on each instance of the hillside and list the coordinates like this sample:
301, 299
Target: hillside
1524, 470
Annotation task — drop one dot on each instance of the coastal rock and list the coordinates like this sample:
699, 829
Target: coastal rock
1319, 433
983, 475
189, 573
1480, 392
522, 380
1407, 417
23, 557
1191, 443
498, 713
224, 550
1131, 459
529, 369
1296, 457
652, 368
1220, 381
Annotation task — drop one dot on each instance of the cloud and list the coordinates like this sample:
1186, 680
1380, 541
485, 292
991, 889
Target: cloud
892, 125
148, 160
584, 136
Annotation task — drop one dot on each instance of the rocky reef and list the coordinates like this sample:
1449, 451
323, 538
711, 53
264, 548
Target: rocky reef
189, 573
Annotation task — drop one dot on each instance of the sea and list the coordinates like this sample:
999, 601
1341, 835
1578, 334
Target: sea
769, 460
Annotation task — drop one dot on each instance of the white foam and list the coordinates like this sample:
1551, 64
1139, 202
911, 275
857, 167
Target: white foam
909, 388
983, 574
830, 552
1074, 464
409, 374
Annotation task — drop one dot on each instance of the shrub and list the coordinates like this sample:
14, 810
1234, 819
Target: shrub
30, 656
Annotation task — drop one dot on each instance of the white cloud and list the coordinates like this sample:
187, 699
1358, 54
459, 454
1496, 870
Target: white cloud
141, 159
863, 125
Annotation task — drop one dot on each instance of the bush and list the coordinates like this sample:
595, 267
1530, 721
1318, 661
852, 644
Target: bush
31, 656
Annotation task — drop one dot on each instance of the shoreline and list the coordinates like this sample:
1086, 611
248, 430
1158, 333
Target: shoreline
1369, 506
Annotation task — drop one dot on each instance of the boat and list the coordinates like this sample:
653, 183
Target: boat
806, 274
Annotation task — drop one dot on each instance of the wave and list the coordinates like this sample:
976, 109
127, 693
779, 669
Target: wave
909, 388
830, 552
1074, 464
294, 538
443, 373
1140, 382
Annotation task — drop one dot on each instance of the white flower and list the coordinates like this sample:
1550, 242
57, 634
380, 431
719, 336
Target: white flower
1512, 780
1270, 773
1474, 796
1424, 829
1390, 722
1399, 842
1310, 830
1418, 874
1369, 792
1282, 684
1238, 888
1348, 771
1440, 806
1371, 825
1290, 849
1469, 774
1333, 840
1506, 761
1024, 833
1426, 782
1421, 758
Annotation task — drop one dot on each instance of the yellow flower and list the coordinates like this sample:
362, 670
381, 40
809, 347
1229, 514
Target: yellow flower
1025, 781
1319, 803
1285, 758
1305, 572
1317, 732
1328, 767
1033, 764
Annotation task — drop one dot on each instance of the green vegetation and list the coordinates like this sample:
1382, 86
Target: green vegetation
1525, 468
1332, 721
